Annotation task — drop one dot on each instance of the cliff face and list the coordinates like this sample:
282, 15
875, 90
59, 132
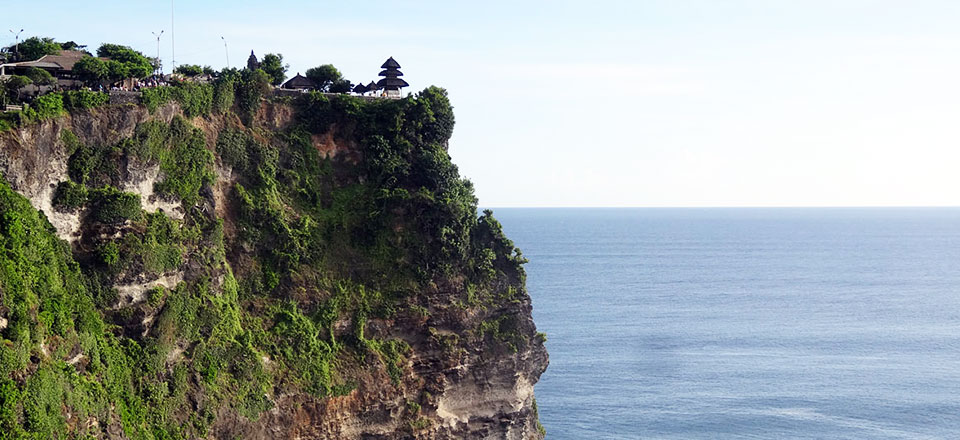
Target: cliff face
318, 272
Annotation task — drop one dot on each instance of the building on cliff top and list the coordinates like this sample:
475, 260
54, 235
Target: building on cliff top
60, 66
299, 82
391, 83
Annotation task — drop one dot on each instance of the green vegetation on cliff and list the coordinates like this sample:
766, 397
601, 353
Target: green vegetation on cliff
286, 278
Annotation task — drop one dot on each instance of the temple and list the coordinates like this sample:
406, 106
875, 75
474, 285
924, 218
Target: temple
252, 62
391, 83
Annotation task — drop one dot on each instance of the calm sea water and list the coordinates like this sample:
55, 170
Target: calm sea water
746, 323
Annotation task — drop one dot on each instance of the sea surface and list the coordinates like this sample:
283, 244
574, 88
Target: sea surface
745, 323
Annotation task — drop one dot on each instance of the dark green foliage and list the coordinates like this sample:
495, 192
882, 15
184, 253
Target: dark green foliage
272, 65
340, 86
13, 84
232, 148
35, 47
110, 205
160, 247
223, 90
92, 71
324, 76
187, 165
189, 70
69, 196
94, 166
41, 77
129, 62
435, 115
250, 89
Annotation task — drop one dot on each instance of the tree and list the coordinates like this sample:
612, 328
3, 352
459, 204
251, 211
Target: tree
117, 71
188, 70
340, 86
41, 77
35, 47
434, 111
324, 76
273, 65
14, 83
135, 64
72, 45
92, 71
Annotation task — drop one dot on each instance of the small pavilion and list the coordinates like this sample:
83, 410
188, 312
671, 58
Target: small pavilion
391, 83
299, 82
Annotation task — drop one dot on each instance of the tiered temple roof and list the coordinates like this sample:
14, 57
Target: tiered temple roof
391, 74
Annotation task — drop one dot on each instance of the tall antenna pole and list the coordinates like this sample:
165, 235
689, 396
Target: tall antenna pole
173, 44
159, 66
225, 51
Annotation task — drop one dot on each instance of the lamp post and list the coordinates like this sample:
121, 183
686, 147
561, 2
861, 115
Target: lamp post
225, 51
16, 50
159, 66
173, 44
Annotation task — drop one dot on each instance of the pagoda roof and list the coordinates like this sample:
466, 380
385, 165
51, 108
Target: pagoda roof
390, 73
372, 86
392, 83
390, 64
360, 88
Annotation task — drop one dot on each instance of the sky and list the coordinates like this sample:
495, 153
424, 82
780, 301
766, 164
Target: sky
603, 103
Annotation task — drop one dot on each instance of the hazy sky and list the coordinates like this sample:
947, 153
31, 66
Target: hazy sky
620, 103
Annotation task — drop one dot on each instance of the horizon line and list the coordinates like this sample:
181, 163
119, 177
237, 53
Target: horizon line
733, 207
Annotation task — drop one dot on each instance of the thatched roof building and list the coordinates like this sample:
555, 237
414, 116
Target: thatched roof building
391, 83
299, 82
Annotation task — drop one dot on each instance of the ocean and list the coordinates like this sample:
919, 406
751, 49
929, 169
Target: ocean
745, 323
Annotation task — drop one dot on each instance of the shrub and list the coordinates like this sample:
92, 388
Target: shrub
223, 91
45, 107
155, 97
112, 206
187, 166
109, 253
250, 90
69, 196
83, 99
189, 69
195, 99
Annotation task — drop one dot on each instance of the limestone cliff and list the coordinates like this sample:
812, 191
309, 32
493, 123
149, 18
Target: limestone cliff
305, 268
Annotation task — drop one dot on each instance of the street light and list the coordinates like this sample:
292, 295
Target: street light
225, 51
16, 37
159, 66
173, 43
